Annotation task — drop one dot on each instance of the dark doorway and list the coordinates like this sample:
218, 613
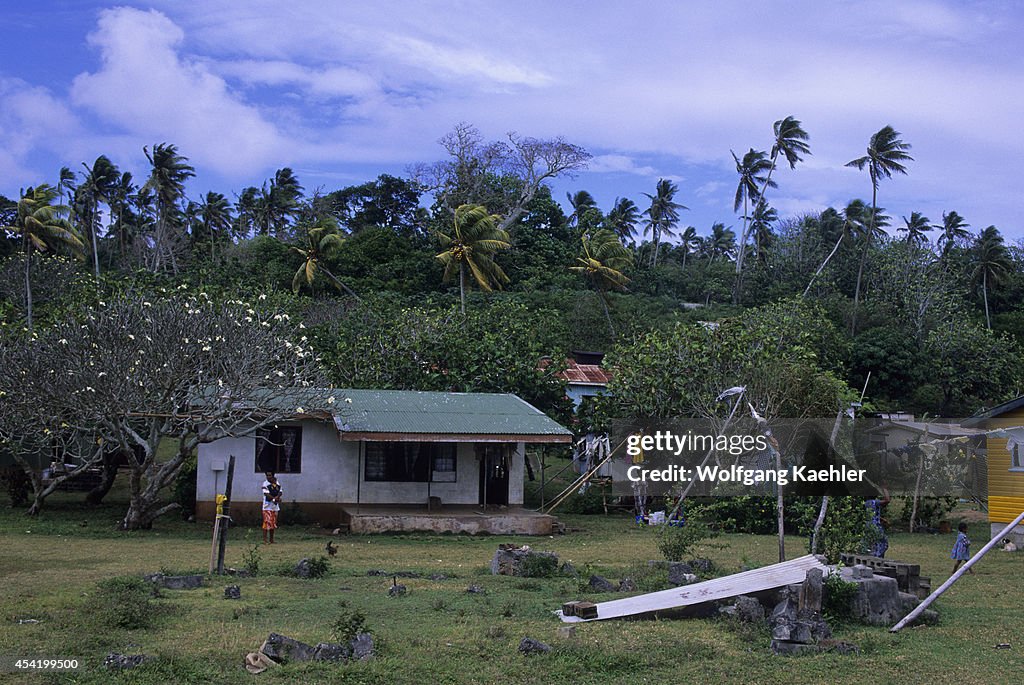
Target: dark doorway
495, 463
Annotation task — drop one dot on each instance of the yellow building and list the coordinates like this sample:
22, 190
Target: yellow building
1005, 463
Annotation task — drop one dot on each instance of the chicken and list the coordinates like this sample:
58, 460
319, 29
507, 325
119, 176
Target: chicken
331, 549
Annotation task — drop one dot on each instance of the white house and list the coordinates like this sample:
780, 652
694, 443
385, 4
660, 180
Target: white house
391, 460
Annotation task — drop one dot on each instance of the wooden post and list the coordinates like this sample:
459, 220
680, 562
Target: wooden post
543, 465
779, 508
956, 576
226, 519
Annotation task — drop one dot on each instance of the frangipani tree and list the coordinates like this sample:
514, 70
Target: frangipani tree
137, 375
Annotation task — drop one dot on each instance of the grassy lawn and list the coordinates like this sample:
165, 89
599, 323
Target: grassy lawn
440, 634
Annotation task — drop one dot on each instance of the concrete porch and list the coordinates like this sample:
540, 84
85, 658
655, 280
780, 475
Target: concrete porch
471, 519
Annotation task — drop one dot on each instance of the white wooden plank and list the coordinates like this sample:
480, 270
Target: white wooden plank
755, 580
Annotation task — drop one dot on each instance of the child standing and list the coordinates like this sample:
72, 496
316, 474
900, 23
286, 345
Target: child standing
961, 548
271, 505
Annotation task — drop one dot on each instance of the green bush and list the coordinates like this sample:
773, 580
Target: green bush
837, 599
185, 487
122, 602
539, 566
318, 567
676, 543
348, 625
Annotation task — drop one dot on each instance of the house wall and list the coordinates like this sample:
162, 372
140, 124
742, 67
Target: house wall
1005, 487
331, 475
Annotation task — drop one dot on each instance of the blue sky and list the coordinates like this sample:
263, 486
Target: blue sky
344, 91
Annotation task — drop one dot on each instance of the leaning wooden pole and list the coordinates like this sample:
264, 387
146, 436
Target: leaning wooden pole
956, 576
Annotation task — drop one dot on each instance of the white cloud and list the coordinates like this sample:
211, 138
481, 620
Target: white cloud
613, 163
148, 89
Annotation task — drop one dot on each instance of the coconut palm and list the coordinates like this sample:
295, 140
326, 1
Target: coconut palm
280, 201
166, 180
121, 198
214, 220
602, 260
886, 153
721, 242
753, 170
992, 264
585, 213
42, 227
623, 218
761, 221
471, 245
688, 241
662, 215
98, 184
791, 142
321, 242
953, 229
916, 228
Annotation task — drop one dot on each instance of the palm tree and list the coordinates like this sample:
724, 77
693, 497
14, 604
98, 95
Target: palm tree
98, 184
280, 201
122, 197
474, 239
992, 263
953, 228
869, 229
721, 242
916, 227
886, 153
791, 142
167, 181
321, 242
663, 214
214, 213
688, 241
584, 208
753, 170
761, 227
602, 261
622, 219
43, 227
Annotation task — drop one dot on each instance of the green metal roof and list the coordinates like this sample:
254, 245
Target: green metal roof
441, 413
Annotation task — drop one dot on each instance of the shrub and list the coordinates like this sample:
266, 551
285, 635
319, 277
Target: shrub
252, 557
539, 566
185, 487
17, 485
846, 528
319, 567
837, 600
677, 542
348, 625
123, 602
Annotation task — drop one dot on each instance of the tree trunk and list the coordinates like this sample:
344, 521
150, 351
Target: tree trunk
28, 282
740, 254
462, 287
607, 315
819, 523
96, 495
92, 235
825, 263
856, 291
984, 294
864, 257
